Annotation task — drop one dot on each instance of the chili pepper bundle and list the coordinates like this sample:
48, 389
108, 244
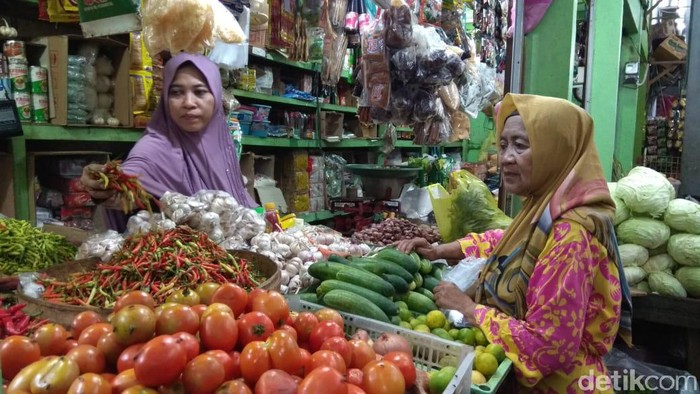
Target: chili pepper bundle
25, 248
13, 321
158, 263
131, 192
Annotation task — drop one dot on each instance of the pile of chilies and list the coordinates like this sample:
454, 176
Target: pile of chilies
158, 263
131, 192
13, 320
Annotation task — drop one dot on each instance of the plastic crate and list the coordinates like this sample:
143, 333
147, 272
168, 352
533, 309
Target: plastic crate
427, 349
495, 381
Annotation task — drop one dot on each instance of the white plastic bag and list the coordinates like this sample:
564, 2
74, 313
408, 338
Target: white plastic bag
233, 56
465, 274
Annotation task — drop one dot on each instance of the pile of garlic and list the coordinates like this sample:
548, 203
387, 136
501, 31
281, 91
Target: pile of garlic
101, 246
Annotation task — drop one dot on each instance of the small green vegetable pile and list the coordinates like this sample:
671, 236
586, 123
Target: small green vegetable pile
24, 248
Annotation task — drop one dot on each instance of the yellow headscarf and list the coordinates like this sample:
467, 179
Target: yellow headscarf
567, 182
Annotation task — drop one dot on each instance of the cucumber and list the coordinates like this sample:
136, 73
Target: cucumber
426, 292
418, 278
415, 257
309, 297
402, 259
426, 267
338, 259
310, 289
380, 266
350, 302
399, 284
429, 282
323, 270
417, 302
437, 271
412, 285
365, 279
377, 299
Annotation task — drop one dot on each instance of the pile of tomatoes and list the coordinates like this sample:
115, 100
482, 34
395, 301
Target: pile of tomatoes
231, 342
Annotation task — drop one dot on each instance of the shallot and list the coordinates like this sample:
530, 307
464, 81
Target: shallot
388, 342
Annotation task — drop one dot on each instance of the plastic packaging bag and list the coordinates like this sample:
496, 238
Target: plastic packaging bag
399, 33
465, 274
233, 56
375, 65
622, 365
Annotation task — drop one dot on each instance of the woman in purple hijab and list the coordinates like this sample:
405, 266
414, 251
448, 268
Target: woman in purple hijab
186, 146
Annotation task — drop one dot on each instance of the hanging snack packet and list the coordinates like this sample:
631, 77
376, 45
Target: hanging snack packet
431, 12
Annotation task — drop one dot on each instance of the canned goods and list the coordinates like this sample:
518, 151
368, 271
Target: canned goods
39, 77
40, 107
6, 89
13, 48
24, 105
19, 75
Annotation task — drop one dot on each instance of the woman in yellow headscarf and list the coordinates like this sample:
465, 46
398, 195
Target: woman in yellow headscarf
552, 293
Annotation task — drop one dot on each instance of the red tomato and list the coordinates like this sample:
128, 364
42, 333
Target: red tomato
70, 344
160, 362
83, 320
354, 389
206, 291
405, 363
199, 309
51, 339
323, 380
127, 358
109, 377
136, 297
90, 383
16, 352
284, 352
139, 389
339, 345
226, 362
323, 331
254, 326
110, 347
134, 324
184, 297
304, 324
276, 381
218, 330
290, 330
92, 334
176, 319
252, 296
123, 381
326, 314
188, 342
354, 376
232, 295
382, 377
89, 359
237, 386
204, 374
362, 353
306, 363
175, 388
327, 358
236, 358
164, 307
216, 307
255, 360
273, 305
289, 320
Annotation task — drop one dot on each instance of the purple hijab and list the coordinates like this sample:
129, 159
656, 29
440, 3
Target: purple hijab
168, 159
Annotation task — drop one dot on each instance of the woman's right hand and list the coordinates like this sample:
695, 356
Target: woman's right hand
95, 186
420, 246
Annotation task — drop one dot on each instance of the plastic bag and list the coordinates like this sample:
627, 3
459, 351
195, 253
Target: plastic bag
375, 65
465, 274
425, 106
637, 373
469, 207
399, 33
231, 56
450, 97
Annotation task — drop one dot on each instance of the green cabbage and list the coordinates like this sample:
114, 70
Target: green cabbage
690, 279
634, 275
665, 284
685, 249
633, 255
661, 262
644, 190
622, 213
645, 232
683, 215
643, 286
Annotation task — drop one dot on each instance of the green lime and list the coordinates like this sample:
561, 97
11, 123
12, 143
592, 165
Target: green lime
406, 325
422, 328
454, 333
401, 304
442, 333
447, 326
435, 319
405, 315
395, 320
422, 318
479, 337
497, 351
415, 322
440, 379
466, 335
485, 363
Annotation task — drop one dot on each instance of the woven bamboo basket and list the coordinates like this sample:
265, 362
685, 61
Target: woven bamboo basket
64, 314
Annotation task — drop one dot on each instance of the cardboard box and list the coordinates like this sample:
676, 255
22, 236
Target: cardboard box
672, 48
331, 124
59, 49
247, 163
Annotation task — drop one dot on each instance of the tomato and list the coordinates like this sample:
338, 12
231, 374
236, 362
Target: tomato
327, 358
328, 314
199, 310
354, 389
90, 383
160, 361
22, 380
276, 381
55, 377
232, 295
306, 363
89, 359
134, 324
109, 377
16, 352
362, 353
203, 374
218, 330
216, 307
123, 381
405, 363
255, 360
139, 389
382, 377
339, 345
135, 297
255, 293
83, 320
175, 388
164, 307
237, 386
354, 376
236, 359
323, 380
188, 342
273, 305
184, 297
290, 330
110, 347
176, 319
205, 291
322, 331
92, 334
51, 339
70, 344
284, 352
127, 358
304, 324
254, 326
225, 360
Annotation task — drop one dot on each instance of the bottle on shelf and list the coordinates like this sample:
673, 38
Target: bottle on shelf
272, 218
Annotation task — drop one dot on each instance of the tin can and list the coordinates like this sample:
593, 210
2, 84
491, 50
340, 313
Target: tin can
19, 75
39, 78
13, 48
23, 101
40, 107
6, 89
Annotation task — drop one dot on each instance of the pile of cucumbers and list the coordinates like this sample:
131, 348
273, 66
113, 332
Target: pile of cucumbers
372, 286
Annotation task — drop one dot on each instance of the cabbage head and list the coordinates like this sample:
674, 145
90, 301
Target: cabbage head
644, 190
666, 284
685, 249
643, 286
633, 255
661, 262
634, 275
690, 279
622, 213
683, 216
646, 232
